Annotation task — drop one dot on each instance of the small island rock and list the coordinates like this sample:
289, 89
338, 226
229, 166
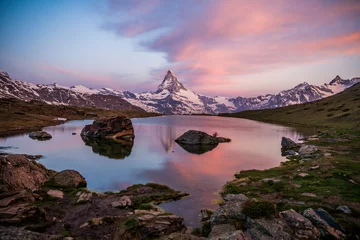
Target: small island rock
40, 135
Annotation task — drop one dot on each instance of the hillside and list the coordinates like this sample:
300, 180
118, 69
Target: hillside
18, 116
341, 110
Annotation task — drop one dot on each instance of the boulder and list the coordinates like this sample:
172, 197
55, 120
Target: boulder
56, 193
302, 227
307, 150
288, 144
17, 173
226, 231
231, 211
326, 231
193, 137
288, 153
40, 135
263, 229
10, 197
119, 127
344, 209
69, 179
84, 197
124, 201
329, 219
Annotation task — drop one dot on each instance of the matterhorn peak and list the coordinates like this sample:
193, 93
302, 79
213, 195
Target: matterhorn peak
170, 83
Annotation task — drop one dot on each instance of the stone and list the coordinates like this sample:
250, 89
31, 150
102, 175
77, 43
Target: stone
124, 201
117, 128
84, 197
307, 150
303, 174
236, 197
69, 179
302, 227
326, 232
204, 213
329, 219
275, 180
288, 144
309, 195
183, 236
56, 193
84, 225
73, 133
7, 198
344, 209
288, 153
230, 211
15, 233
40, 135
224, 231
193, 137
264, 229
315, 167
18, 173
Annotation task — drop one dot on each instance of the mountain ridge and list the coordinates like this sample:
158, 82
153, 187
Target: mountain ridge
171, 96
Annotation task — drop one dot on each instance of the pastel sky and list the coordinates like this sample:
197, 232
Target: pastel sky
215, 47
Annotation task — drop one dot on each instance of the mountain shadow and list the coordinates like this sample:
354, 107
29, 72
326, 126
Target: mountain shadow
114, 149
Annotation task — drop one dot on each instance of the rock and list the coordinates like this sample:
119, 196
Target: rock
315, 167
18, 173
119, 127
40, 135
7, 198
205, 215
303, 174
91, 114
56, 193
307, 150
183, 236
225, 231
236, 197
84, 225
326, 232
329, 219
124, 201
84, 197
73, 133
288, 144
193, 137
69, 179
21, 212
309, 195
302, 227
288, 153
15, 233
344, 209
275, 180
230, 211
263, 229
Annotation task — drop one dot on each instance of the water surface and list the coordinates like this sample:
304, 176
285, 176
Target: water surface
155, 157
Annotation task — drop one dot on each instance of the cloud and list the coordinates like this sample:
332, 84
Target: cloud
214, 41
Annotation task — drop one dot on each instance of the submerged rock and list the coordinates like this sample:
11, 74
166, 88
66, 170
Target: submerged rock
40, 135
119, 127
193, 137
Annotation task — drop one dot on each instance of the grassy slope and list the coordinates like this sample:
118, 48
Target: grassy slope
340, 111
17, 116
332, 180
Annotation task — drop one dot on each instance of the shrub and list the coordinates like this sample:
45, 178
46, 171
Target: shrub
257, 209
145, 206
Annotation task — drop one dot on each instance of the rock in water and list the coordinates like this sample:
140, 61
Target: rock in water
40, 135
200, 138
17, 172
288, 144
118, 128
69, 179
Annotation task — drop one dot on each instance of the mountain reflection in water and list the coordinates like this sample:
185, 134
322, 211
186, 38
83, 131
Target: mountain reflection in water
155, 157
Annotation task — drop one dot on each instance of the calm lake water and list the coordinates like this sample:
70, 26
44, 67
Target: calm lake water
155, 157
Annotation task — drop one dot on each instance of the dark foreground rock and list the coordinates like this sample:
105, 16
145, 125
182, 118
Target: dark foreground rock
57, 206
288, 144
40, 135
18, 172
117, 128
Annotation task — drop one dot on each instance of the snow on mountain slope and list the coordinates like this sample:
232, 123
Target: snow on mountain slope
171, 97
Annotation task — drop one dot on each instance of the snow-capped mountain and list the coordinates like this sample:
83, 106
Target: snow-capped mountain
171, 97
60, 95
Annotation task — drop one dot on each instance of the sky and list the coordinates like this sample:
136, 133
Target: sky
215, 47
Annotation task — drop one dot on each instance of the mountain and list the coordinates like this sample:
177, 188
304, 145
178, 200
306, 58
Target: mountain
60, 95
171, 96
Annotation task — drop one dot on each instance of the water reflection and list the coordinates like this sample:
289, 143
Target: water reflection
155, 157
114, 149
197, 148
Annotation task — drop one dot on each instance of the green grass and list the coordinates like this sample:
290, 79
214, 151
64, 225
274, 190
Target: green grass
260, 208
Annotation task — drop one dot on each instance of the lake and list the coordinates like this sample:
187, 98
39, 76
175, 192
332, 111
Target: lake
155, 157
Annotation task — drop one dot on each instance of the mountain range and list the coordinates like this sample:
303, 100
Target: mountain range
171, 97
